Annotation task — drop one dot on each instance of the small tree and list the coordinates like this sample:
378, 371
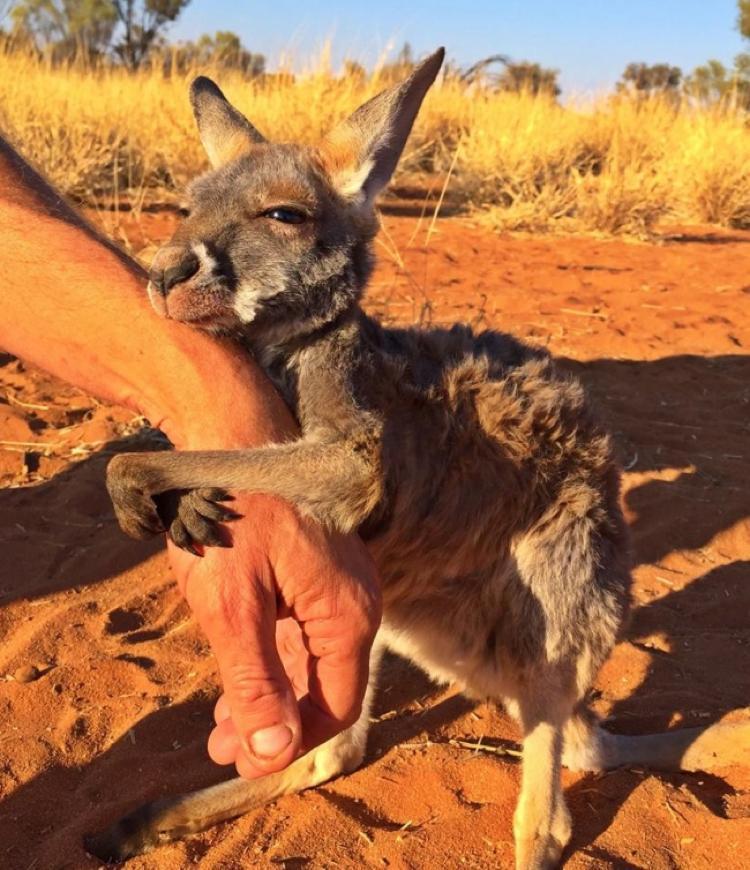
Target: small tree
708, 82
743, 18
143, 23
713, 82
65, 28
528, 77
223, 49
646, 79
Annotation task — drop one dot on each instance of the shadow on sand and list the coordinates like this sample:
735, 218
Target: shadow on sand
663, 415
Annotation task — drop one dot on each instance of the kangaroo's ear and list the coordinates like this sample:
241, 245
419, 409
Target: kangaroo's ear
361, 153
225, 133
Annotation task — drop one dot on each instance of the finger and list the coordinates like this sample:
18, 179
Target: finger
339, 669
295, 657
224, 743
238, 615
336, 687
224, 748
222, 709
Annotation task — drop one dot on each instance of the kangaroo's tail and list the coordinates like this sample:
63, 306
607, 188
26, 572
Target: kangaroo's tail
590, 747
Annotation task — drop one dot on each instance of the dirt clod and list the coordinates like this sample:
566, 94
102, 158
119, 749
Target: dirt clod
27, 674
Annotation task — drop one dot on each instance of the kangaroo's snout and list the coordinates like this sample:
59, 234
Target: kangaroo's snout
186, 283
172, 265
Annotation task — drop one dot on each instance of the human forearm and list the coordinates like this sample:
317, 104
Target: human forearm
88, 321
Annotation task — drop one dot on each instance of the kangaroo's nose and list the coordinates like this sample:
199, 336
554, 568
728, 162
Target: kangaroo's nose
168, 271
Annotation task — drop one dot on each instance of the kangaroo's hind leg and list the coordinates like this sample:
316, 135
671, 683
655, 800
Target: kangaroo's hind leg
541, 824
173, 818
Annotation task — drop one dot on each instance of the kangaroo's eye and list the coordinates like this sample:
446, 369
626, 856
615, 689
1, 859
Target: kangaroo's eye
183, 211
285, 215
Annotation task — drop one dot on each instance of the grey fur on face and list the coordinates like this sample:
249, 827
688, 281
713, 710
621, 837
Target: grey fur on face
278, 278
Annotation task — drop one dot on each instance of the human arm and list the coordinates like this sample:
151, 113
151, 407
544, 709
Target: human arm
75, 305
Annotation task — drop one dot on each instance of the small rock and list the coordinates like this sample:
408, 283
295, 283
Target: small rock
27, 674
737, 806
658, 641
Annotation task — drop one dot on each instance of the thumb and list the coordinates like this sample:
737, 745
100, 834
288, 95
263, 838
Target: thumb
262, 733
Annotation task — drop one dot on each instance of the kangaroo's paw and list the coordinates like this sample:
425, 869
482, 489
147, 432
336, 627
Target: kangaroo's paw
541, 840
192, 517
132, 835
134, 507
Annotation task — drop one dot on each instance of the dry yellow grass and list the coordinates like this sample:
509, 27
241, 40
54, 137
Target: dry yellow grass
615, 166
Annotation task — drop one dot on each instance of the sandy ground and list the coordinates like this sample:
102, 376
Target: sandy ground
106, 684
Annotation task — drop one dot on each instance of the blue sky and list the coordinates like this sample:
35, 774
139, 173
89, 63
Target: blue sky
589, 41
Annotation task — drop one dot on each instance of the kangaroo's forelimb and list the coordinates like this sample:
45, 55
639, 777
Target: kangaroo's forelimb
335, 482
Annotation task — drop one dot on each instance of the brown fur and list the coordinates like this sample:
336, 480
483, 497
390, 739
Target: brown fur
484, 486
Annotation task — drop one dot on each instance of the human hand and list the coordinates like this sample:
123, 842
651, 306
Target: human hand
290, 612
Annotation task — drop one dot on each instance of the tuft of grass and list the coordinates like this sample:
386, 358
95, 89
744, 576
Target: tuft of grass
618, 165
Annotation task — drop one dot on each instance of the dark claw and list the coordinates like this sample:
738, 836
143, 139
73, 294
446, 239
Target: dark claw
217, 512
216, 494
195, 516
192, 517
181, 537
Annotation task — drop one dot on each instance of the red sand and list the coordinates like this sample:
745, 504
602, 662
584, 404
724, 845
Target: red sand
120, 704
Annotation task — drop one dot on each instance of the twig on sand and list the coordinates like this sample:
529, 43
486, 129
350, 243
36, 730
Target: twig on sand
484, 747
579, 313
33, 406
25, 446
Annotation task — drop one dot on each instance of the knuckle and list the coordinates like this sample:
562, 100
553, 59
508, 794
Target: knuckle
224, 609
361, 628
250, 689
